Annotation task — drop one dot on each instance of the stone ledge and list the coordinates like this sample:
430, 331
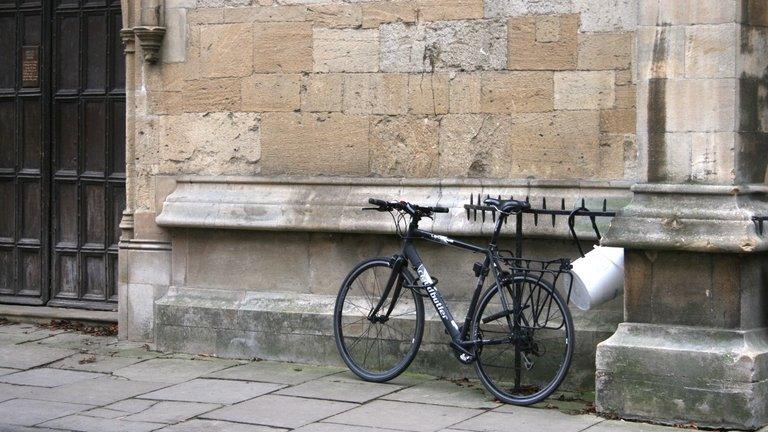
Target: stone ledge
675, 374
698, 218
46, 314
299, 327
332, 204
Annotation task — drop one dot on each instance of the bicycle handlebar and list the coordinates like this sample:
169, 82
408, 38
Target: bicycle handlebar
407, 207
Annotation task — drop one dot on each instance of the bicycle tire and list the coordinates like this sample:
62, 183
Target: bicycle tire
400, 343
535, 391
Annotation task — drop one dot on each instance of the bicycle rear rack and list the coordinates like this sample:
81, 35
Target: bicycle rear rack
581, 210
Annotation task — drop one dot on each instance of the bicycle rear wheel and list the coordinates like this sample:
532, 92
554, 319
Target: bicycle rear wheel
532, 347
377, 349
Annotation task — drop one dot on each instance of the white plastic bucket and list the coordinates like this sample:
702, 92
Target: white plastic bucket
598, 277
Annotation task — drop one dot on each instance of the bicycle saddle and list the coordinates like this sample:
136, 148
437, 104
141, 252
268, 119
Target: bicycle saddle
507, 206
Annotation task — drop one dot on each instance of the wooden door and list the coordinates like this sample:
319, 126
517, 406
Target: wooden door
67, 172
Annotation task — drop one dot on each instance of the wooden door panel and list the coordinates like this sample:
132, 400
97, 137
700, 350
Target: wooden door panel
62, 152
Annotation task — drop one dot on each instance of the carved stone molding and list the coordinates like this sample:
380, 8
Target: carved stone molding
150, 39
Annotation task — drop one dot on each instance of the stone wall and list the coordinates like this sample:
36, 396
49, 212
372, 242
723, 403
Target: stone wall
414, 88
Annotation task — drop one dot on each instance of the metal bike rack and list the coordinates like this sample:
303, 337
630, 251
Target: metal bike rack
473, 208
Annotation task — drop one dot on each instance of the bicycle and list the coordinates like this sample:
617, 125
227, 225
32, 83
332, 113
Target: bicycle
518, 333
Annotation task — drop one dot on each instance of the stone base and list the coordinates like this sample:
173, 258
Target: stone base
679, 374
299, 328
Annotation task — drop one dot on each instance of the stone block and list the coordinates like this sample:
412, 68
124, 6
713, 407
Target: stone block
511, 8
428, 94
626, 96
600, 51
345, 50
461, 45
322, 93
685, 12
376, 94
282, 47
511, 92
271, 92
710, 51
205, 16
660, 52
444, 10
336, 15
30, 356
404, 147
704, 105
221, 50
606, 15
97, 392
715, 376
618, 121
554, 145
473, 145
755, 13
171, 412
88, 423
266, 14
584, 90
174, 48
308, 143
222, 3
46, 377
464, 93
210, 143
713, 158
612, 156
555, 421
211, 95
557, 51
381, 12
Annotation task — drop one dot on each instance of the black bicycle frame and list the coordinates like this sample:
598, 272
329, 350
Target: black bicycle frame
410, 255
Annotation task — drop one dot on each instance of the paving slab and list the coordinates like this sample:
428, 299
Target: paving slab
5, 427
405, 379
280, 411
17, 327
171, 370
76, 341
528, 419
47, 377
99, 391
404, 416
6, 371
94, 363
29, 355
335, 427
439, 392
213, 391
120, 409
275, 372
17, 338
198, 425
345, 391
83, 423
27, 412
172, 412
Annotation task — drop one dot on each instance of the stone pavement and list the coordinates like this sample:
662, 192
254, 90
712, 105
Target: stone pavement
54, 379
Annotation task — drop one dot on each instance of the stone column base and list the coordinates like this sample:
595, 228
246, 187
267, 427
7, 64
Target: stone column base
681, 374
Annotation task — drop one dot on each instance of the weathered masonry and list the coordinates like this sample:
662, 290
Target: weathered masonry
257, 129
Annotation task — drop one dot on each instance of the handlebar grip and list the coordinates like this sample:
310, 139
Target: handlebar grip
377, 202
440, 209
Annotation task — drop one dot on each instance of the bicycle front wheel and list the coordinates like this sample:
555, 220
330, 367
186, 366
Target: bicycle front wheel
377, 348
526, 349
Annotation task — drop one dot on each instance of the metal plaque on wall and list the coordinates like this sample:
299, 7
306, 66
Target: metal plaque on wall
30, 66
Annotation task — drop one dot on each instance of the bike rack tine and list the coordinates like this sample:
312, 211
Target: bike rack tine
471, 203
760, 223
605, 205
